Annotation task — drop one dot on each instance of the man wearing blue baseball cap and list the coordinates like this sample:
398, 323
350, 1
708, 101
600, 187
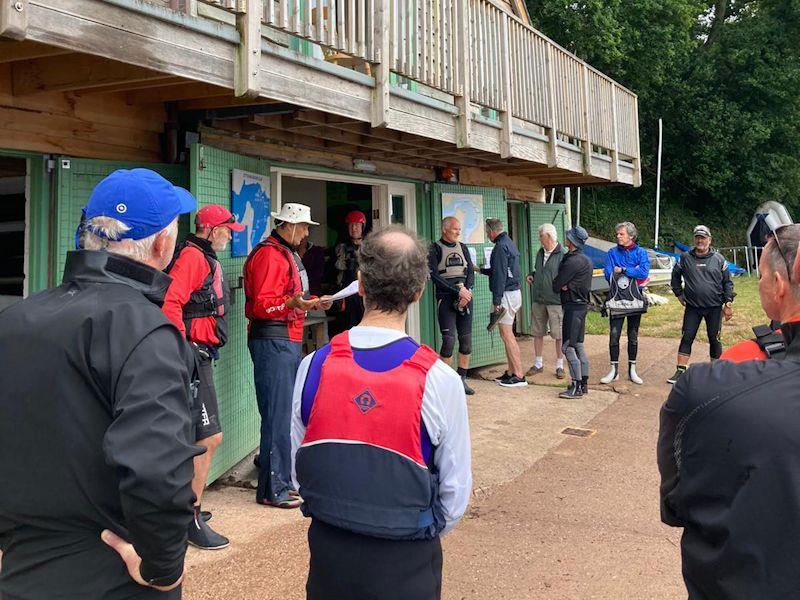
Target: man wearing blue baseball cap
95, 418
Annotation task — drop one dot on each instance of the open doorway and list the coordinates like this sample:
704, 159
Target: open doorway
13, 178
331, 198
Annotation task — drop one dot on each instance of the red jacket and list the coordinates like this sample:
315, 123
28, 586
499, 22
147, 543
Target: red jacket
271, 277
188, 274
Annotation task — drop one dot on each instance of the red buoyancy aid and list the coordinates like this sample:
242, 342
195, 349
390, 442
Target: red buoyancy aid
296, 269
360, 465
211, 299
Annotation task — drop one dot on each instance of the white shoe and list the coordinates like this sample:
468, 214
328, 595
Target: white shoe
634, 377
613, 374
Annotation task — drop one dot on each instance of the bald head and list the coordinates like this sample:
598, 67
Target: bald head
393, 264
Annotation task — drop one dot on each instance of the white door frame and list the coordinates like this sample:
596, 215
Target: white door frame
382, 192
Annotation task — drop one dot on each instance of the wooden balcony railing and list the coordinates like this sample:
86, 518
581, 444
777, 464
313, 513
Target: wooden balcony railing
471, 50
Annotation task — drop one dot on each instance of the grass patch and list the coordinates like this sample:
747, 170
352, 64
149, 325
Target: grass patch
665, 321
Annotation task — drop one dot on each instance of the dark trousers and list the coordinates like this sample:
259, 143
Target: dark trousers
691, 323
633, 336
275, 364
350, 566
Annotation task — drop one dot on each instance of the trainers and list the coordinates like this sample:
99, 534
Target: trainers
203, 537
514, 381
559, 373
573, 391
676, 375
534, 370
503, 377
467, 390
494, 318
206, 514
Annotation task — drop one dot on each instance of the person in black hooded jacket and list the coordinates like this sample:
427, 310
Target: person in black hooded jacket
95, 417
729, 456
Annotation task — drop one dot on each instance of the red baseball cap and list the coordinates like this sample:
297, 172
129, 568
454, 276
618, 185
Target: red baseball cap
214, 215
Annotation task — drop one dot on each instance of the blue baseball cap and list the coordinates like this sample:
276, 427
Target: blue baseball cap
140, 198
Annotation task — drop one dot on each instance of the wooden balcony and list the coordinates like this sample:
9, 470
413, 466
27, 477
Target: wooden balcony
424, 82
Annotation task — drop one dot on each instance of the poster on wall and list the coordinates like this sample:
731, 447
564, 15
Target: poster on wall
468, 209
250, 204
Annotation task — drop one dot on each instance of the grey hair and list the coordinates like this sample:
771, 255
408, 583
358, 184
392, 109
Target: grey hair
449, 219
393, 271
788, 237
494, 225
111, 229
549, 229
629, 227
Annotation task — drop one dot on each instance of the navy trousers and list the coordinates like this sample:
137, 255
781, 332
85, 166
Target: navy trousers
275, 364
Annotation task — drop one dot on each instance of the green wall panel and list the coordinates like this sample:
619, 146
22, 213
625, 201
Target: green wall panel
75, 180
539, 214
487, 348
210, 182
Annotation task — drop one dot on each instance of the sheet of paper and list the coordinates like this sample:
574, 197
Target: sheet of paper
473, 255
350, 290
487, 255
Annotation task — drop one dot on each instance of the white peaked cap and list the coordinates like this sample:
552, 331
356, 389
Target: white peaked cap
294, 213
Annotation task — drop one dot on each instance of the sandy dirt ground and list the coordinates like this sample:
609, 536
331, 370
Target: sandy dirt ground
552, 516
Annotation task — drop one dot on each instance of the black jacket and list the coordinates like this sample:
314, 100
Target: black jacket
95, 433
706, 279
729, 456
575, 272
445, 289
503, 271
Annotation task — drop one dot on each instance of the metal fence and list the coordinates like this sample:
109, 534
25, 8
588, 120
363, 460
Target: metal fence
743, 256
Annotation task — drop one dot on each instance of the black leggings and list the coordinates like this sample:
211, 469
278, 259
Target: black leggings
633, 336
691, 323
454, 323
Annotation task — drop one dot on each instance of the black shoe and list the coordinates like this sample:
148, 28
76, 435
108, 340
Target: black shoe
514, 381
676, 375
494, 318
503, 377
573, 391
467, 390
206, 514
257, 461
203, 537
584, 385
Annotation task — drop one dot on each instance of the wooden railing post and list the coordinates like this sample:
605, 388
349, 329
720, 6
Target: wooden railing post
614, 135
464, 83
383, 60
505, 69
587, 133
14, 19
637, 160
552, 129
248, 53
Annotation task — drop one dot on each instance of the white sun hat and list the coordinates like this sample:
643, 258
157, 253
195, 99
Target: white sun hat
294, 213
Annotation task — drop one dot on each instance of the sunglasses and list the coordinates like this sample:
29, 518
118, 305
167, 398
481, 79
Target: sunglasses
783, 255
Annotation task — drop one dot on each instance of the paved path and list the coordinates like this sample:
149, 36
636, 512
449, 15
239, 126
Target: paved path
552, 517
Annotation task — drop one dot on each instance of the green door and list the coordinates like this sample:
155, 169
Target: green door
539, 214
487, 348
210, 174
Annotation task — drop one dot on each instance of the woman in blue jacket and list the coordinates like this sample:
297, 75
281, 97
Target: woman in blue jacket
626, 258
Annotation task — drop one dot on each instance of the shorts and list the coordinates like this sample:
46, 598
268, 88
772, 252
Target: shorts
546, 317
512, 302
206, 421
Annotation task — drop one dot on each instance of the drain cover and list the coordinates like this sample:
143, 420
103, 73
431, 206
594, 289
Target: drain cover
578, 432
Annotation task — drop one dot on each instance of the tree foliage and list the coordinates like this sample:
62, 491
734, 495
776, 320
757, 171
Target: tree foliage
725, 77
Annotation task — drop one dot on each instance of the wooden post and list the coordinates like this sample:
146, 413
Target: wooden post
248, 53
637, 160
614, 135
14, 19
587, 134
505, 68
464, 85
552, 130
383, 58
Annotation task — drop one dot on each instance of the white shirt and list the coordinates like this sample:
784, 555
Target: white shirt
444, 414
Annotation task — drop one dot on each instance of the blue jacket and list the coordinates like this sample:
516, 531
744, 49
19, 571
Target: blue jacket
634, 260
503, 271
